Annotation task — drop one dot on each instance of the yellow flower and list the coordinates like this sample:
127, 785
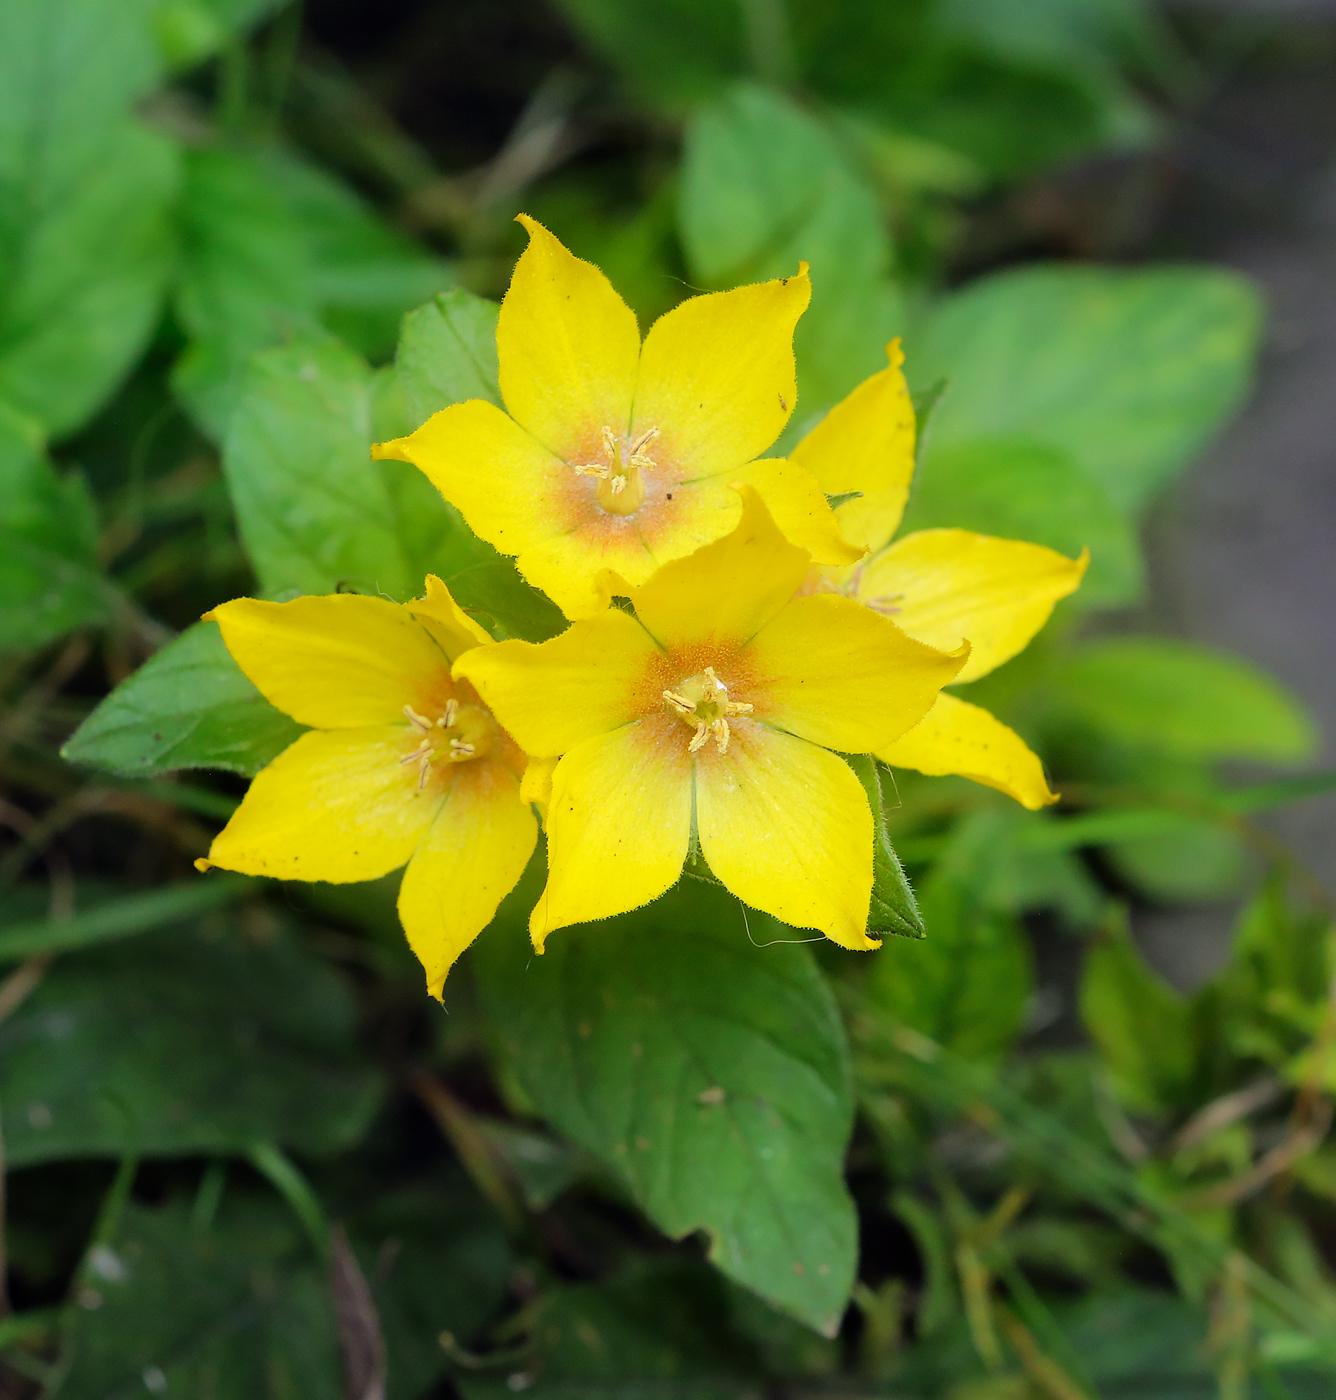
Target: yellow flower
403, 762
616, 457
939, 585
710, 716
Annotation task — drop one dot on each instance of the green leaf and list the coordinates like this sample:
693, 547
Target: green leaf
660, 1328
765, 186
1186, 860
365, 274
1025, 491
437, 1260
188, 706
711, 1074
1183, 700
1141, 1026
967, 982
188, 31
273, 248
245, 280
116, 918
447, 354
894, 909
85, 243
1281, 954
235, 1310
673, 50
237, 1038
49, 575
315, 513
1127, 372
83, 275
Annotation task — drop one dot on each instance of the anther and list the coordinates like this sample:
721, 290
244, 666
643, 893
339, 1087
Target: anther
420, 752
416, 720
460, 748
447, 720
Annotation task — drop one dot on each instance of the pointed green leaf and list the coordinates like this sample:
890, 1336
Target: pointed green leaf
1126, 371
966, 983
711, 1074
1182, 699
764, 186
236, 1038
894, 908
50, 580
188, 706
447, 354
1141, 1025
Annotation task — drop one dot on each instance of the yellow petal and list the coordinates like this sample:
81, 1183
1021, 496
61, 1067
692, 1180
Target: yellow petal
332, 806
726, 592
717, 375
618, 825
338, 662
553, 695
945, 586
453, 630
467, 863
581, 569
866, 443
568, 347
786, 826
835, 673
959, 738
512, 491
798, 506
536, 785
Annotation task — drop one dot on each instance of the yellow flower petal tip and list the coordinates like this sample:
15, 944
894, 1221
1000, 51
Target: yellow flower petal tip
613, 456
402, 763
536, 784
866, 444
962, 739
716, 713
203, 865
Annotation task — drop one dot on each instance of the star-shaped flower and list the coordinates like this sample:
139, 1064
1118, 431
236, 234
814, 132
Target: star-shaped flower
403, 762
940, 586
714, 715
615, 457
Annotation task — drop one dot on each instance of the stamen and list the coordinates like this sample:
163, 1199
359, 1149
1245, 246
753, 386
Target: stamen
679, 702
460, 748
885, 605
699, 738
422, 752
416, 720
423, 771
447, 720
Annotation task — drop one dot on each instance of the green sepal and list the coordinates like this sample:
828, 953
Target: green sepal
894, 908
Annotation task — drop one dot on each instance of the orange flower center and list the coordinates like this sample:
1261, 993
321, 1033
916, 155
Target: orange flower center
621, 488
702, 702
461, 732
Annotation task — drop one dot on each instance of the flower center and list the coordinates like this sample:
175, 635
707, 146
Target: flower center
702, 702
621, 489
458, 734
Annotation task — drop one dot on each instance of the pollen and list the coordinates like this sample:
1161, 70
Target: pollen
702, 702
621, 488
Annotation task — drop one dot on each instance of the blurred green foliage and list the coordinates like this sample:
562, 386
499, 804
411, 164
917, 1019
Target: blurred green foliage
675, 1157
